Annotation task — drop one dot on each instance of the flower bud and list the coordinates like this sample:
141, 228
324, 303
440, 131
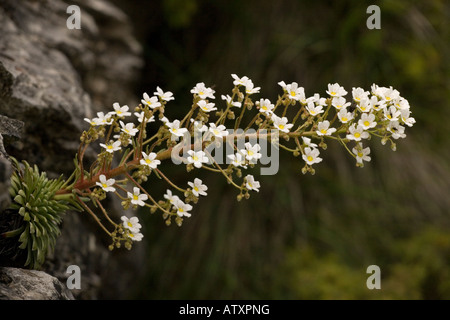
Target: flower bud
393, 146
304, 169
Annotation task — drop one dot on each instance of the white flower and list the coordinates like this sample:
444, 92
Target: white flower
164, 120
166, 96
103, 119
202, 91
251, 183
169, 196
206, 107
335, 90
227, 98
131, 224
377, 91
199, 126
295, 92
317, 100
140, 116
357, 133
251, 152
402, 104
93, 122
361, 154
265, 106
308, 143
128, 128
340, 103
111, 146
344, 115
198, 188
152, 102
313, 109
135, 236
136, 197
365, 105
311, 156
237, 160
106, 184
375, 104
240, 81
396, 129
282, 84
250, 87
359, 94
323, 128
219, 132
175, 130
405, 117
120, 111
182, 208
367, 121
391, 113
389, 94
281, 123
197, 158
150, 160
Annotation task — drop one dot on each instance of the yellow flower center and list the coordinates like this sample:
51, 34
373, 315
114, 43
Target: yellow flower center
148, 161
333, 93
104, 185
135, 197
196, 188
310, 158
323, 131
360, 154
129, 224
366, 123
201, 93
131, 235
216, 132
281, 126
357, 134
109, 147
250, 152
344, 119
195, 158
181, 209
293, 93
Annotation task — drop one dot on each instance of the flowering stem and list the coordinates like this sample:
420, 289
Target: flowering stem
145, 191
168, 181
92, 214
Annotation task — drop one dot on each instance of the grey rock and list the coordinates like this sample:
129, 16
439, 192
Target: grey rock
21, 284
5, 174
51, 78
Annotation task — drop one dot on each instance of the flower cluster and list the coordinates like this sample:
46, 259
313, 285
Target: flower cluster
134, 144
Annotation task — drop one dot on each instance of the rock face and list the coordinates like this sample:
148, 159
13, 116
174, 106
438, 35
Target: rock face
20, 284
51, 78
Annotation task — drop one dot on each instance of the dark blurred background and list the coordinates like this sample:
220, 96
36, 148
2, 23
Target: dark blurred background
303, 236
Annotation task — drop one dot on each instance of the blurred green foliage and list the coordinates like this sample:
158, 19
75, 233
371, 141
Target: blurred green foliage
307, 237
